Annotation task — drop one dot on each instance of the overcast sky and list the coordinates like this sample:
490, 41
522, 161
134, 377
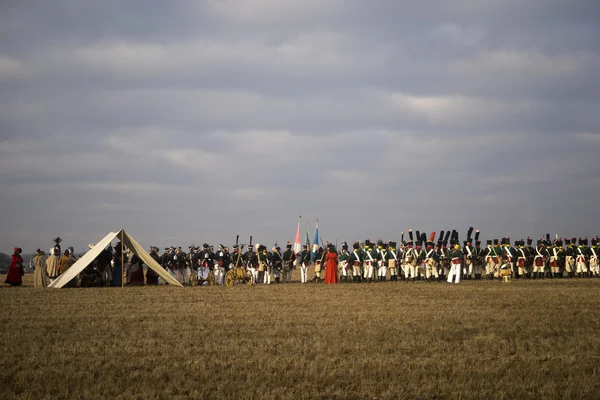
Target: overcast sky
193, 121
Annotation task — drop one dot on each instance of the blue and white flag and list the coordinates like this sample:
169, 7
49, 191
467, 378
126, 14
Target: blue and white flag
315, 247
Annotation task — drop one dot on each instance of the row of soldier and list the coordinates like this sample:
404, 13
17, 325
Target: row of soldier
416, 259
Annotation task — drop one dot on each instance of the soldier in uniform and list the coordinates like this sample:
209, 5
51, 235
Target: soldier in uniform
569, 258
418, 260
456, 258
221, 262
251, 262
319, 262
431, 262
355, 261
556, 257
276, 262
179, 265
509, 254
491, 256
443, 255
477, 259
264, 268
593, 255
410, 263
539, 260
235, 258
304, 263
165, 260
581, 258
400, 262
468, 256
344, 270
392, 261
530, 251
521, 256
288, 262
368, 261
381, 261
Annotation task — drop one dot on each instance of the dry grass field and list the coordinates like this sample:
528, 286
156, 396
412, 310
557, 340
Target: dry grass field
484, 340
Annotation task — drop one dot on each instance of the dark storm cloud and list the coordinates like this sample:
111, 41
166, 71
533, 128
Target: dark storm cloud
197, 121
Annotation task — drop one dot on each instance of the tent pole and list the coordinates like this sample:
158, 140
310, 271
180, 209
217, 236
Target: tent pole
122, 259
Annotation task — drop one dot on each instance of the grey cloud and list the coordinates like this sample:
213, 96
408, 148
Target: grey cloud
198, 121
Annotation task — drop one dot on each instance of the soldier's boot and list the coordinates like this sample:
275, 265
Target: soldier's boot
277, 280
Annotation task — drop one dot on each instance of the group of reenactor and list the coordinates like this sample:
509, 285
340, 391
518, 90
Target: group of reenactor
264, 266
419, 258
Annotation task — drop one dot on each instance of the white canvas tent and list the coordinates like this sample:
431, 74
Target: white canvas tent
91, 255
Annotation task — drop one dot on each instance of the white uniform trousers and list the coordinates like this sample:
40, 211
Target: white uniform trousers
254, 272
303, 273
569, 264
356, 269
594, 266
412, 271
455, 270
431, 269
382, 271
219, 273
368, 270
581, 265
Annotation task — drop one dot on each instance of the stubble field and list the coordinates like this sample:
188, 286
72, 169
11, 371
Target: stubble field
525, 339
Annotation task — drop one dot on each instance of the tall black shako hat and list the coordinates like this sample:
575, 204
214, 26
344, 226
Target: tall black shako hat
454, 238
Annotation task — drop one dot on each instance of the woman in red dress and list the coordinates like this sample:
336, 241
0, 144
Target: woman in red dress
15, 272
331, 265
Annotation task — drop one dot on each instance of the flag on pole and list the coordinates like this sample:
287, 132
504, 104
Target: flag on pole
297, 245
306, 239
315, 247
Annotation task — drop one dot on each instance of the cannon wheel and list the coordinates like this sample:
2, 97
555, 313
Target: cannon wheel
229, 278
211, 279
